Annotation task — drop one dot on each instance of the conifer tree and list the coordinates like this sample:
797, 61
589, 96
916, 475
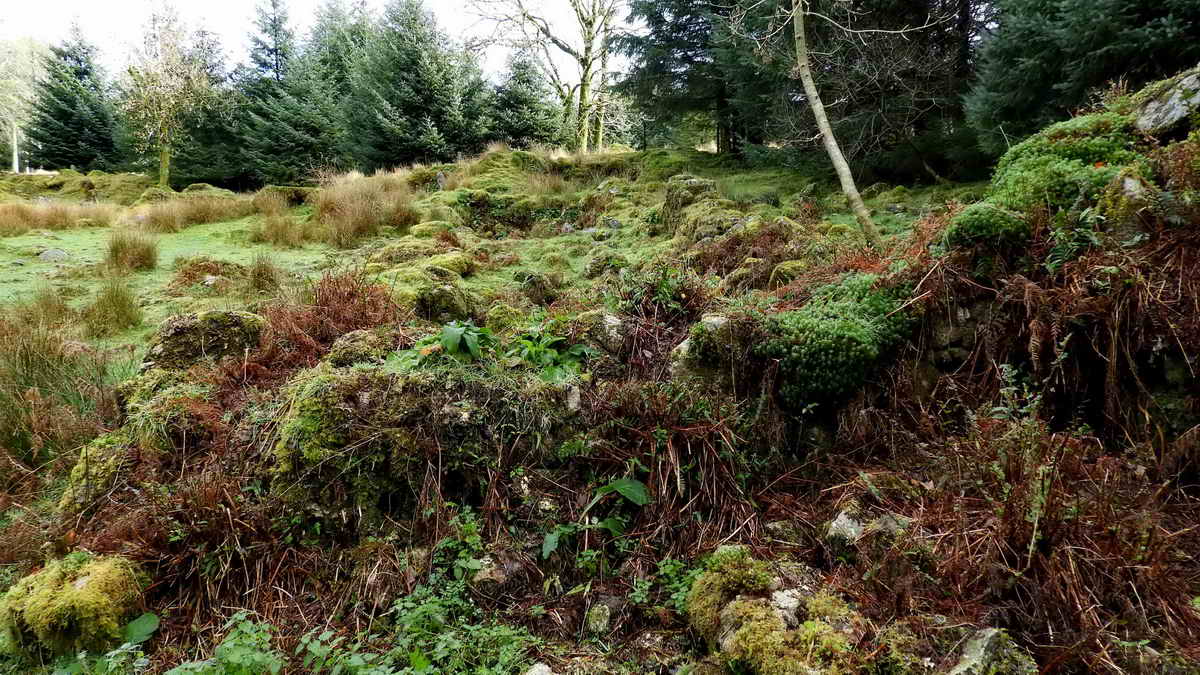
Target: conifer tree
414, 97
1047, 55
525, 110
273, 46
71, 122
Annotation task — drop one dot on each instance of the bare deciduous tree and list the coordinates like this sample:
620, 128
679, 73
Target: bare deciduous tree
527, 24
166, 83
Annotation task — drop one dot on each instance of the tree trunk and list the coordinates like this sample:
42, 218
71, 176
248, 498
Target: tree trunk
164, 167
804, 67
16, 151
583, 120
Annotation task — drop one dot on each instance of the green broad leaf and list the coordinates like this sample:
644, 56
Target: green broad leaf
629, 488
614, 526
472, 342
452, 334
419, 662
140, 629
550, 543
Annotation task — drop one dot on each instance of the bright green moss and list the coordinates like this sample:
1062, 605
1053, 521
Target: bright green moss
985, 223
405, 251
73, 604
728, 573
457, 262
827, 348
95, 471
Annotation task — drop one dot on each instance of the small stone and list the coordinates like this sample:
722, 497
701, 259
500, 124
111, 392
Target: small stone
788, 605
845, 529
991, 651
53, 255
539, 669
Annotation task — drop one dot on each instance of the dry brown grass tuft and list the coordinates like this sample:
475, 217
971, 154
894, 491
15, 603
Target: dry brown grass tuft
114, 309
284, 231
176, 214
17, 219
131, 250
353, 207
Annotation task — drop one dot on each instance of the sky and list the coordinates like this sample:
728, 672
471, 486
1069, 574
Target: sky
114, 25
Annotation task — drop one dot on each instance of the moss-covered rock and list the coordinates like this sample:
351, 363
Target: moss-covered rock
541, 289
404, 251
293, 195
185, 340
154, 195
503, 318
602, 261
683, 191
787, 271
364, 346
100, 463
73, 604
1166, 105
350, 440
207, 190
456, 261
987, 224
730, 572
430, 229
992, 652
446, 300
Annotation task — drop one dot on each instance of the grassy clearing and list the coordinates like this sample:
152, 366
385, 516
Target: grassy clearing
174, 215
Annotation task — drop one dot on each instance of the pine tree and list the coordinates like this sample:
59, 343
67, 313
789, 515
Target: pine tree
413, 96
297, 129
337, 40
1047, 55
273, 47
71, 123
525, 108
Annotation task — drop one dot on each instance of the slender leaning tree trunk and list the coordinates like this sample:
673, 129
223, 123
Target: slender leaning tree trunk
804, 67
16, 152
164, 167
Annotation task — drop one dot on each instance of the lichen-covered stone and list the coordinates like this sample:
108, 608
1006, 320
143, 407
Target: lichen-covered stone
73, 604
154, 195
1164, 106
503, 318
603, 329
185, 340
404, 251
992, 652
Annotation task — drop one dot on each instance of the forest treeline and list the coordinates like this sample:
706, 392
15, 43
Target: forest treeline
929, 90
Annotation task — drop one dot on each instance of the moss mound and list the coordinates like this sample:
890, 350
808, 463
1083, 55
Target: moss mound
73, 604
182, 341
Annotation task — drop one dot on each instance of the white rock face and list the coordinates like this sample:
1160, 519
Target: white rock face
1171, 107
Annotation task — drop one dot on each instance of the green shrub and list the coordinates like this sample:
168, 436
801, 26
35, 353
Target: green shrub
986, 223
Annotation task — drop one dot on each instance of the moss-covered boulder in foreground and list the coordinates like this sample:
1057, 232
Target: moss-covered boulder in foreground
73, 604
185, 340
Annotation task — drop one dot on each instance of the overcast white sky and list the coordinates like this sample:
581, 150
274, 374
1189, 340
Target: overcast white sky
114, 25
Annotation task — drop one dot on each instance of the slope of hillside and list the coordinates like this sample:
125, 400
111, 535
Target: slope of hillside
629, 412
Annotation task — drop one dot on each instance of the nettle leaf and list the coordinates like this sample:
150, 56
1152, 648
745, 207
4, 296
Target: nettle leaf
140, 629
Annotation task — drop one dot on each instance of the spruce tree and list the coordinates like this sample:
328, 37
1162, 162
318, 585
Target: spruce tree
273, 46
296, 129
1047, 55
414, 97
337, 40
71, 122
525, 111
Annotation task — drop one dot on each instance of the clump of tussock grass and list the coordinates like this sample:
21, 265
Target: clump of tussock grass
271, 203
263, 275
46, 306
17, 219
54, 394
284, 231
113, 309
130, 250
352, 207
550, 185
176, 214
